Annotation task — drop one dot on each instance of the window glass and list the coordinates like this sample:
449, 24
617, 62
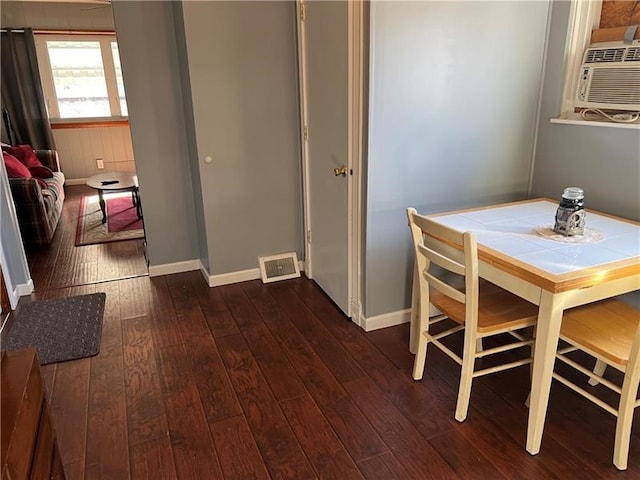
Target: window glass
119, 80
79, 80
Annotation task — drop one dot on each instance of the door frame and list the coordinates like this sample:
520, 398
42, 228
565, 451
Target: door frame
356, 49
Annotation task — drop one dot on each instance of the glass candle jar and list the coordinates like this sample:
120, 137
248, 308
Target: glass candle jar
570, 216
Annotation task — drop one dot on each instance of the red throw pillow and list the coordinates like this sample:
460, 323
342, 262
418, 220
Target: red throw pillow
15, 169
25, 154
41, 172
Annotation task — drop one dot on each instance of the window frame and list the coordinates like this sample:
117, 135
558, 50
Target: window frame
105, 39
584, 16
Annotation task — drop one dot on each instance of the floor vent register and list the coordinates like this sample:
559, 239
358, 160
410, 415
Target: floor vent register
279, 267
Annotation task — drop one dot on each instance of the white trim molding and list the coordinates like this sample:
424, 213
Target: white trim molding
177, 267
20, 290
356, 313
391, 319
386, 320
232, 277
212, 280
583, 18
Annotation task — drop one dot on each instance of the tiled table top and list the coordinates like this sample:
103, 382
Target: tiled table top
510, 230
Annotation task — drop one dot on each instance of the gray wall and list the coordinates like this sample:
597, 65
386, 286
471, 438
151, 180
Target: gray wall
242, 70
190, 139
148, 52
604, 161
74, 16
454, 89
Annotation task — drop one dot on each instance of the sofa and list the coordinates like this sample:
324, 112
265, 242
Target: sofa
39, 201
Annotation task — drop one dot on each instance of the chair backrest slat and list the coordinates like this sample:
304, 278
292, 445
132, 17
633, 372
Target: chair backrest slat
442, 261
445, 288
452, 250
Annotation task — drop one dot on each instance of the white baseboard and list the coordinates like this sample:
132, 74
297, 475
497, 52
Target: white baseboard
212, 280
21, 290
177, 267
75, 181
204, 272
391, 319
386, 320
356, 313
233, 277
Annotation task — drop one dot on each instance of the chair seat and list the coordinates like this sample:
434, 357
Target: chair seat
610, 339
497, 309
608, 330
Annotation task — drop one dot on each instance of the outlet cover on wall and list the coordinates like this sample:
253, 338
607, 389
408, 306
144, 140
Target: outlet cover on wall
100, 163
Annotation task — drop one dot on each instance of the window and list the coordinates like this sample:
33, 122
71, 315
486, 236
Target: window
81, 76
119, 81
592, 21
584, 17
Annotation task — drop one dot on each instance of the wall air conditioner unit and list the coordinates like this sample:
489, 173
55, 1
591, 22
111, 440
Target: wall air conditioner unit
610, 78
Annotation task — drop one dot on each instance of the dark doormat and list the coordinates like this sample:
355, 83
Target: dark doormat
61, 329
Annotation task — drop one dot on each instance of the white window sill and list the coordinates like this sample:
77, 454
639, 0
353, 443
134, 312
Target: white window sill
576, 119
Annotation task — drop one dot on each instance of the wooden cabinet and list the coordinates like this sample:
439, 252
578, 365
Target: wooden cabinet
28, 448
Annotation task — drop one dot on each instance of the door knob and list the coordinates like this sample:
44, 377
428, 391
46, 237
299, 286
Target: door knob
340, 171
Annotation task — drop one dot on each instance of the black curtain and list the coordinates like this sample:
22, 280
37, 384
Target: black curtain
22, 95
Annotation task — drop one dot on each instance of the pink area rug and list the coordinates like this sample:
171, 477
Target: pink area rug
122, 220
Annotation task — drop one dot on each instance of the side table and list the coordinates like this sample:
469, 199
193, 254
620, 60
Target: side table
115, 182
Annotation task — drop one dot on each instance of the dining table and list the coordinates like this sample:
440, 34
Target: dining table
519, 251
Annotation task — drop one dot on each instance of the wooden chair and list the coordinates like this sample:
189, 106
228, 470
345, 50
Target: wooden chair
480, 310
608, 330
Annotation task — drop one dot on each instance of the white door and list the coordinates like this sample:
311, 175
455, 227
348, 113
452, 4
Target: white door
327, 108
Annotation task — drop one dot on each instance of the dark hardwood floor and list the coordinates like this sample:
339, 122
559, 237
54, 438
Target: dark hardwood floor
253, 381
62, 264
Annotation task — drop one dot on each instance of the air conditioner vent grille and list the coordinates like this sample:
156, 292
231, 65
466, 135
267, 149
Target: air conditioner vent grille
600, 55
615, 86
279, 267
633, 54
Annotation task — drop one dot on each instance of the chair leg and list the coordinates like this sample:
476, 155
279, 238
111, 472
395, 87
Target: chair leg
528, 400
420, 358
621, 447
598, 370
415, 331
625, 416
466, 377
421, 296
479, 346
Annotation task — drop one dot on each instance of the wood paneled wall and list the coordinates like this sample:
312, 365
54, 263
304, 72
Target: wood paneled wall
78, 149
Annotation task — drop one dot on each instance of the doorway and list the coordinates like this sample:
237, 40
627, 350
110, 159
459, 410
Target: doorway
84, 89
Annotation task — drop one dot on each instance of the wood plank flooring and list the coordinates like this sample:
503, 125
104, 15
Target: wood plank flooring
272, 381
253, 381
62, 264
